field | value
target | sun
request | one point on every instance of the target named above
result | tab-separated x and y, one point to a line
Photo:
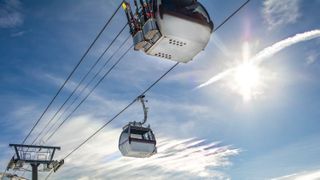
244	77
247	80
247	76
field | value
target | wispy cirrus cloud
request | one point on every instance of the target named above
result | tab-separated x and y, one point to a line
18	34
176	158
277	13
312	57
310	175
10	14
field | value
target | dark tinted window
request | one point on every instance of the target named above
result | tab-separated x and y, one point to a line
140	134
188	8
176	4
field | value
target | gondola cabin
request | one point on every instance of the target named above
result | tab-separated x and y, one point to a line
137	141
172	29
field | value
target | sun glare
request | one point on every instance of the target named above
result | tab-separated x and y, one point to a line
247	80
247	76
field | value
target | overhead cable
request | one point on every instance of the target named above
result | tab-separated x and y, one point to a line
80	83
95	86
72	72
132	102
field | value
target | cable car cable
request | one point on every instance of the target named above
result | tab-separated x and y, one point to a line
69	76
151	86
72	72
130	104
79	84
105	64
82	91
95	86
231	15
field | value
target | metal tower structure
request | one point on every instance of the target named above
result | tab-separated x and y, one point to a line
34	156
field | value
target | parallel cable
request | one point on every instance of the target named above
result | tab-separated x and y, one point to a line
130	104
69	76
79	95
152	85
72	72
80	83
95	86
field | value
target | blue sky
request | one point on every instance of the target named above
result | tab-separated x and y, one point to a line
272	134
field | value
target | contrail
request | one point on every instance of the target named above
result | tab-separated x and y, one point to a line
216	78
275	48
267	53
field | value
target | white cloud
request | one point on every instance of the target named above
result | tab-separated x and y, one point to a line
178	158
312	57
267	53
217	77
279	46
18	34
100	158
10	14
280	12
289	160
310	175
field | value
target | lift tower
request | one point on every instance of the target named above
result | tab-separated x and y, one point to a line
34	156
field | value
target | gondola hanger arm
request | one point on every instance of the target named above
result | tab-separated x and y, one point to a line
145	109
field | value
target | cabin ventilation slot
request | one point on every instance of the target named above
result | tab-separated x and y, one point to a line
163	55
176	42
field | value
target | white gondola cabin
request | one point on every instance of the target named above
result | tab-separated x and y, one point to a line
172	29
137	141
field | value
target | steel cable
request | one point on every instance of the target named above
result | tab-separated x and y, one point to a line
152	85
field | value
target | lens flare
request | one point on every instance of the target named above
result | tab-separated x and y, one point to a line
247	79
246	76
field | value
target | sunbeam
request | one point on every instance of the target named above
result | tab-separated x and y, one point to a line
246	76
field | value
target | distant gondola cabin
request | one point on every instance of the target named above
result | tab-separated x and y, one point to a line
137	141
